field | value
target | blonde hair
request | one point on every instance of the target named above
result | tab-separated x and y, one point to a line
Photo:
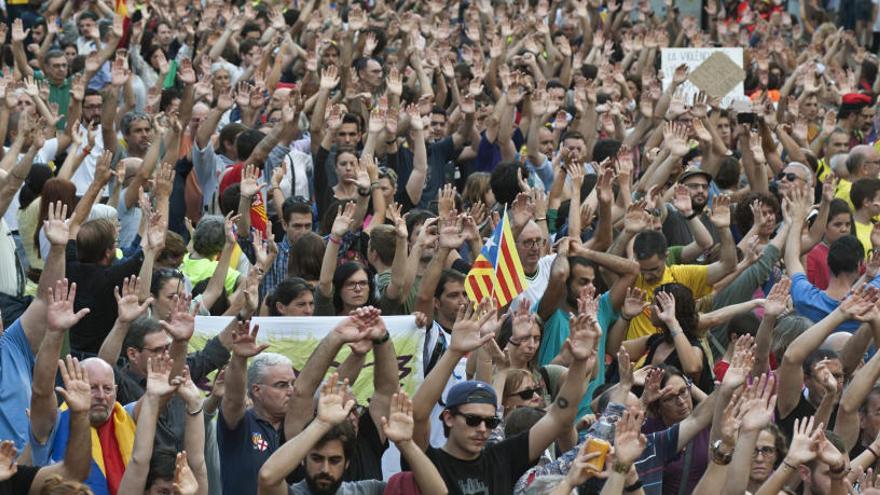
56	485
475	188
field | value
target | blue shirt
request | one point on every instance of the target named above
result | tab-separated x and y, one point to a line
16	372
243	450
815	304
556	330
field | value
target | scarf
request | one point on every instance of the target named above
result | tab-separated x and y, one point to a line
99	480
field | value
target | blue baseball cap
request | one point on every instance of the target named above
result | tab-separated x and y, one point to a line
471	392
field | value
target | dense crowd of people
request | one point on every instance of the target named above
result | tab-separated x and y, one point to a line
685	296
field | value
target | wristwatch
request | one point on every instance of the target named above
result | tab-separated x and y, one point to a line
718	456
383	339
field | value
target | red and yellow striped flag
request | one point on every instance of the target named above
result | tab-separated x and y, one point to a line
497	271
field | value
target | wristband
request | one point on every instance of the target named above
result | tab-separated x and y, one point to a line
363	191
381	340
635	486
196	412
541	219
335	240
624	318
692	215
869	449
789	466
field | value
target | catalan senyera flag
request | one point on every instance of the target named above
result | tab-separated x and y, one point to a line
497	271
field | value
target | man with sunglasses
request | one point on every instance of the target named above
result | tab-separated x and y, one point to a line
675	226
470	411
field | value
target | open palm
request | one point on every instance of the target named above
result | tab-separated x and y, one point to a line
332	407
77	391
8	454
60	316
399	426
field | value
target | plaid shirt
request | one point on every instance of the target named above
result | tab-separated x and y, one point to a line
277	272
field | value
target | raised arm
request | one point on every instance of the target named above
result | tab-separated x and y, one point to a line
398	428
557	287
77	394
582	342
341	225
244	346
60	318
300	405
416	182
720	217
466	338
129	310
332	410
194	439
776	303
160	385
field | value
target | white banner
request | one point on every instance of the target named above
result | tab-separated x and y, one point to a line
297	338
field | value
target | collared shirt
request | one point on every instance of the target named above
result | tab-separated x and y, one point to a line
171	427
16	371
244	449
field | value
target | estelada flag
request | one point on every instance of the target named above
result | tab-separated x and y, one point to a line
497	270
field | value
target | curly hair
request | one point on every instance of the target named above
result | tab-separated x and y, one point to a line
685	308
742	215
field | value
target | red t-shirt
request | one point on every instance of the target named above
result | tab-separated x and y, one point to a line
817	266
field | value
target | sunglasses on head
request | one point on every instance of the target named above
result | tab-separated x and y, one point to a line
474	420
527	394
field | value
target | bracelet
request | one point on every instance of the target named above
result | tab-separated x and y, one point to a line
624	318
381	340
541	219
869	449
621	468
789	466
335	240
692	215
196	412
635	486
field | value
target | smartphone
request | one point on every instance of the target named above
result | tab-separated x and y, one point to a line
746	118
600	446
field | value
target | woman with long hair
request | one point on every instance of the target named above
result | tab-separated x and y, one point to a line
53	190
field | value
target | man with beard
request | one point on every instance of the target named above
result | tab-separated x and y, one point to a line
326	445
675	226
575	272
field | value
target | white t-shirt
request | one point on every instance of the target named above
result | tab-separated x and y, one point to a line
85	174
537	283
8	264
45	155
300	164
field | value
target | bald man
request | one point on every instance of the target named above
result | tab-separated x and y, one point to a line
110	423
862	162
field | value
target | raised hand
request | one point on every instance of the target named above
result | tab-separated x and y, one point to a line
664	307
56	227
720	214
250	181
398	427
159	383
741	363
860	304
779	298
828	453
342	224
636	219
8	456
182	323
804	441
244	343
185	482
77	391
353	328
760	403
60	316
332	407
634	304
466	335
127	301
629	442
682	200
584	335
523	321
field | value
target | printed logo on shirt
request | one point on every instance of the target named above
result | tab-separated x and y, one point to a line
472	486
259	444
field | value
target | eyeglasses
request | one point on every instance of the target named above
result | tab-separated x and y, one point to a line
474	420
764	451
533	243
528	393
696	185
682	395
280	385
789	176
357	284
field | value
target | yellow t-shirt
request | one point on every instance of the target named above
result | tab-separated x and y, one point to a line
843	189
201	269
694	277
863	232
